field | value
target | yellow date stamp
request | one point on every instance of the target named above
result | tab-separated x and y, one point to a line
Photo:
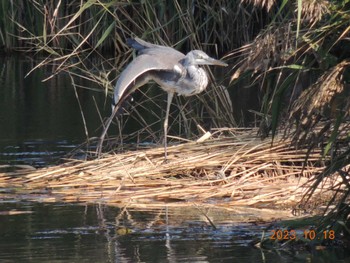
286	234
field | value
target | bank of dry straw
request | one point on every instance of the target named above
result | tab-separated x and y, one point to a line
235	168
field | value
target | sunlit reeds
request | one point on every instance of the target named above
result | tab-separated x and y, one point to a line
235	167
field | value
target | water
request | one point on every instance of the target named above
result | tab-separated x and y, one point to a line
92	233
39	123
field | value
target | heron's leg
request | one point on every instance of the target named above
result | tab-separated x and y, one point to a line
170	98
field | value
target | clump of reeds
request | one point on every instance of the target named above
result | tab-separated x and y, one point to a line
238	169
324	101
302	72
312	11
268	4
272	47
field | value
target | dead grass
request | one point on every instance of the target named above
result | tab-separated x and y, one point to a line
236	169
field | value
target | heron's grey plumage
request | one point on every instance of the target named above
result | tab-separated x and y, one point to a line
152	61
173	71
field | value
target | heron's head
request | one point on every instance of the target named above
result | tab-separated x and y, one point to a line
198	57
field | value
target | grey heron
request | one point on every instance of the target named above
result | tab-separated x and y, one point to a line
173	71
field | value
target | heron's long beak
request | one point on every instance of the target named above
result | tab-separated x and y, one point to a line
216	62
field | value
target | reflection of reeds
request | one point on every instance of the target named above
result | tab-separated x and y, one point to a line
238	167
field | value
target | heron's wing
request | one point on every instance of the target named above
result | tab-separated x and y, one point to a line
144	47
139	44
138	73
140	70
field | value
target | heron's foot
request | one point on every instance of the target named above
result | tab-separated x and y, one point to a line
165	161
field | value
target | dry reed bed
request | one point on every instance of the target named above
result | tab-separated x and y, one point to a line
239	169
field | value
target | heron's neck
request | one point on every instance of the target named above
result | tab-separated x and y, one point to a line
197	77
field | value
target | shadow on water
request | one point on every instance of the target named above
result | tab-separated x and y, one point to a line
33	232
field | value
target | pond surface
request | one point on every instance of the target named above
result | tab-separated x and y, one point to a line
34	232
39	123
